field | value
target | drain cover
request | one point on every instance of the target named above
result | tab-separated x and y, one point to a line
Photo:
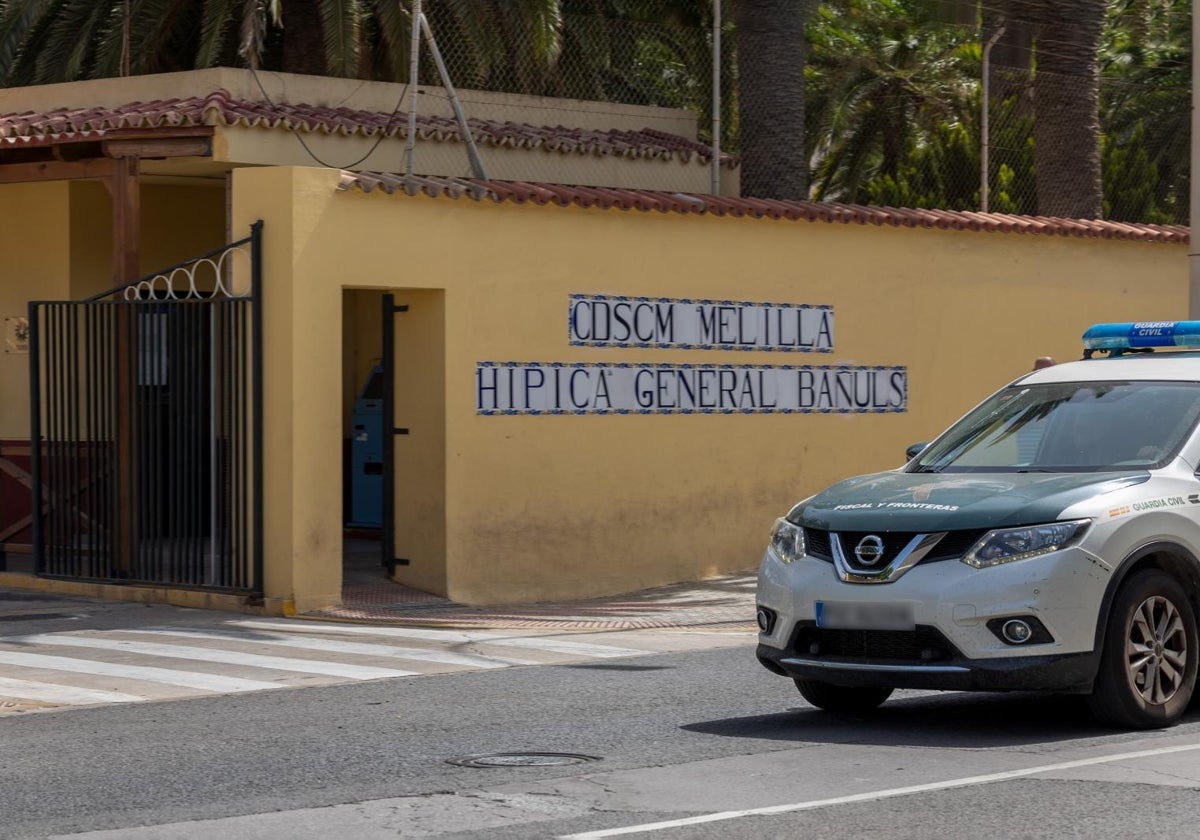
521	759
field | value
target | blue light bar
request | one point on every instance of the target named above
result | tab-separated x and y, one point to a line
1142	334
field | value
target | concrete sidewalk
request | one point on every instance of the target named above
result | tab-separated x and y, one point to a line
725	602
370	597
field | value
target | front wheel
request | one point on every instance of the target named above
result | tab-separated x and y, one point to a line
841	698
1148	662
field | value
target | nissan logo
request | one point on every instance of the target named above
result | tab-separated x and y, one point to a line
869	550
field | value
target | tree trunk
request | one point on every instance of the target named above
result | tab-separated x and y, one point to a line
772	51
303	38
1066	101
1066	139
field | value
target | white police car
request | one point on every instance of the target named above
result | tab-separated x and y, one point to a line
1049	540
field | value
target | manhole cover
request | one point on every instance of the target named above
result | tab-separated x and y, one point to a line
521	759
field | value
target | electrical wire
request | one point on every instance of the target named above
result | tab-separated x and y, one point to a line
382	134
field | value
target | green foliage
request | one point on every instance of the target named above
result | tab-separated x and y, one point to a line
892	108
1147	94
936	173
1130	181
886	76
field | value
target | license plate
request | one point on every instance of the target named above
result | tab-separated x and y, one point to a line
842	615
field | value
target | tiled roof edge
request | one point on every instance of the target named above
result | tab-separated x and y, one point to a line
666	202
220	108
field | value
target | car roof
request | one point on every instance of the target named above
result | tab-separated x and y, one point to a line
1172	366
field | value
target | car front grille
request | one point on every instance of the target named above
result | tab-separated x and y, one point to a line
817	543
954	545
924	644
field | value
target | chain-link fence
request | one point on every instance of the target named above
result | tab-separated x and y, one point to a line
894	106
1078	108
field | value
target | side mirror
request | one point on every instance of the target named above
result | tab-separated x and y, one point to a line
915	450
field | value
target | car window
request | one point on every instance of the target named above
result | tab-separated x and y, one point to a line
1065	427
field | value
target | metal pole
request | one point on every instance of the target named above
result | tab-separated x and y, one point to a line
716	99
983	121
213	480
414	65
463	128
388	522
256	397
35	438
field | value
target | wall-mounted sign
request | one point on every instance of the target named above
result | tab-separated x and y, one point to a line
16	335
561	388
606	321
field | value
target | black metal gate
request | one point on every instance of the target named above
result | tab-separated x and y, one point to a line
147	428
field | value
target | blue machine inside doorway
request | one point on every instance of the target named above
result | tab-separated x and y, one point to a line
366	454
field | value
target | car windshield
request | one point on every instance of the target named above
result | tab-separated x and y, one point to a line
1069	427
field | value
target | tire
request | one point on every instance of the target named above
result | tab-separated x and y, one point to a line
1148	662
841	698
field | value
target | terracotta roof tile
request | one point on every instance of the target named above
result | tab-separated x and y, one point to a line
219	108
647	200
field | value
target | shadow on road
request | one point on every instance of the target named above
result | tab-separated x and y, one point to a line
945	720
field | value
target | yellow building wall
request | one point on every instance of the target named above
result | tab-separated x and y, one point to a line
177	221
540	507
34	265
443	158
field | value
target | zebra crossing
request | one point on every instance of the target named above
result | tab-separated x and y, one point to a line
129	665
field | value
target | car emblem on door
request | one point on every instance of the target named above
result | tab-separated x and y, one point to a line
869	550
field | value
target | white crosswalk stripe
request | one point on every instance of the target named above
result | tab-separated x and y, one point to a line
63	695
187	679
128	665
335	646
229	657
449	636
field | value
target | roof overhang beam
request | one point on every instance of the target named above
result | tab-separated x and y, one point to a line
72	158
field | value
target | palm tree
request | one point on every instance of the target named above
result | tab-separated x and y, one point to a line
887	80
1066	98
40	40
772	52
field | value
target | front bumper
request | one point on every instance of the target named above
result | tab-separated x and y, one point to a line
1073	672
952	604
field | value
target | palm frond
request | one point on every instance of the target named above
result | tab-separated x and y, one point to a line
252	32
217	20
19	19
64	52
342	20
394	29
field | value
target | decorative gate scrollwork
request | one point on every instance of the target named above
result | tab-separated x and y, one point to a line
146	412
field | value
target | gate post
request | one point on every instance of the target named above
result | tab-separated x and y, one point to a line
35	436
388	547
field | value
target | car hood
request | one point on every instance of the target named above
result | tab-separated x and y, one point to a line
924	502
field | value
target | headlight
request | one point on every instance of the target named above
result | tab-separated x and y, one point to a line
1011	544
787	541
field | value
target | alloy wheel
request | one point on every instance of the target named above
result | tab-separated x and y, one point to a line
1156	650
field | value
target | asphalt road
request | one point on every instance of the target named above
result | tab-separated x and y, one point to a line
706	734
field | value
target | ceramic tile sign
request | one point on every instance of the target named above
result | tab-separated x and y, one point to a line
16	335
564	388
612	321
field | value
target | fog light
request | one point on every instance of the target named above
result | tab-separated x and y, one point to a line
766	620
1016	632
1023	630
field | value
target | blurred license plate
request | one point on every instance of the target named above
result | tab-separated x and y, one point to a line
840	615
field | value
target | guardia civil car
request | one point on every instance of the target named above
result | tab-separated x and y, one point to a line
1048	540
